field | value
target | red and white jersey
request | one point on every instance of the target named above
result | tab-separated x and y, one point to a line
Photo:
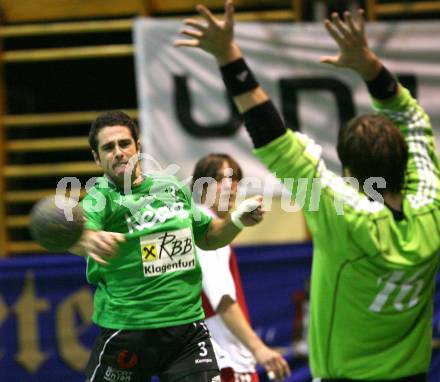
221	277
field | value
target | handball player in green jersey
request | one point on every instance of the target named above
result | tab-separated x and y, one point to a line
139	243
375	255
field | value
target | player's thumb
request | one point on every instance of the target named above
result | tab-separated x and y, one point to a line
329	60
259	201
119	237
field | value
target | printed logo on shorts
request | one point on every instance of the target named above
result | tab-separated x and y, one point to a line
203	352
115	375
167	252
125	363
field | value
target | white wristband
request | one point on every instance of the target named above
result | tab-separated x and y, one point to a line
235	219
246	206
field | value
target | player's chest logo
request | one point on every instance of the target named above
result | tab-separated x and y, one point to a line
150	216
167	252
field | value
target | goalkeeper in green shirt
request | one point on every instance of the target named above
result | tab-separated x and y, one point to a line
375	254
140	245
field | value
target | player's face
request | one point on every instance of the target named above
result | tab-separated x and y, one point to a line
116	147
226	193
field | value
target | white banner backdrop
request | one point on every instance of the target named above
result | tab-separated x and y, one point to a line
184	109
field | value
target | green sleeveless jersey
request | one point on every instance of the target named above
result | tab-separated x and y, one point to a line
155	279
373	276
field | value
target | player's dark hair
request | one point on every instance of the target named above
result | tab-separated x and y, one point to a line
371	145
111	118
210	166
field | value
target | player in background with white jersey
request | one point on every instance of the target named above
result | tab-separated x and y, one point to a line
236	344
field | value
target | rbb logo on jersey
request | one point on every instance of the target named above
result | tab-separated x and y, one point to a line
166	252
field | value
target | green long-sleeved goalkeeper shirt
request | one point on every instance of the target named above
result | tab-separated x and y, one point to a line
373	277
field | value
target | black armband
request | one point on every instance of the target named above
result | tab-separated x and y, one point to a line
238	77
263	123
384	86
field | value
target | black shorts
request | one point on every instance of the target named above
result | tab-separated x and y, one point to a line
171	353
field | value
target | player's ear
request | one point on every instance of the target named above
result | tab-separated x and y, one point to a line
138	146
96	157
346	172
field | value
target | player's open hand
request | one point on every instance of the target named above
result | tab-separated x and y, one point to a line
101	246
354	52
211	34
276	366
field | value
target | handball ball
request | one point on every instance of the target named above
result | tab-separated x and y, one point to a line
56	223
